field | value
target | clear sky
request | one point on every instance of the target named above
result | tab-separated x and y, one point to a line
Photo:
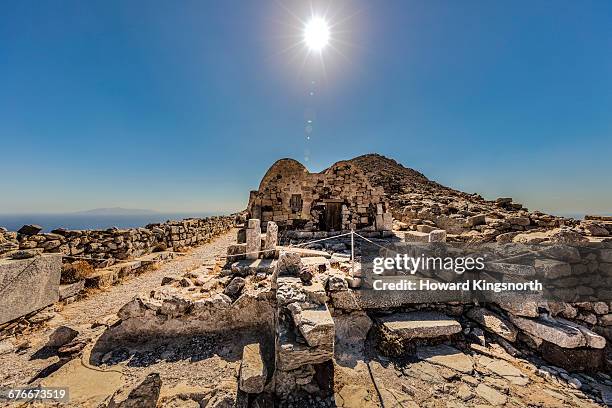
182	106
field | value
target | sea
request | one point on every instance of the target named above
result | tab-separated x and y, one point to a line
49	222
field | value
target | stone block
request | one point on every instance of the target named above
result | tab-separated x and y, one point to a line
71	289
415	236
254	223
425	228
316	325
29	229
271	239
552	331
253	239
292	354
438	235
419	325
28	285
493	323
475	220
253	371
577	359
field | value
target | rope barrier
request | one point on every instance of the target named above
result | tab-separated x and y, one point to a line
324	239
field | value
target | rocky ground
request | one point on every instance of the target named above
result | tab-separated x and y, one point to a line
99	309
173	364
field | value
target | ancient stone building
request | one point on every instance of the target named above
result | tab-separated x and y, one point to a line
339	198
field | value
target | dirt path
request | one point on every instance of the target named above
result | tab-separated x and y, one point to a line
16	369
111	300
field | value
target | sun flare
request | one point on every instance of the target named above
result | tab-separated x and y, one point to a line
316	34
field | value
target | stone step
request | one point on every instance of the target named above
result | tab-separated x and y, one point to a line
419	325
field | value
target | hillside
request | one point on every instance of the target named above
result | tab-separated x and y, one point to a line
421	205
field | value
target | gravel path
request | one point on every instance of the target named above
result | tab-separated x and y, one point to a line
111	300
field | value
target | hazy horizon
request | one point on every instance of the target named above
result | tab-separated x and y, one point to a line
184	108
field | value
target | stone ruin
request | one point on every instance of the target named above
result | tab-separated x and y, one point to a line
38	269
314	326
340	198
299	320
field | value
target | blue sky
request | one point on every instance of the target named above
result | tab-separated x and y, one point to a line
182	106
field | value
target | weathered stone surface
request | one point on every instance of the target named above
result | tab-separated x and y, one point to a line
62	335
518	305
292	354
493	323
419	325
235	286
352	327
492	396
7	346
172	312
446	356
552	269
271	239
415	236
438	235
26	253
144	395
475	220
236	252
577	359
288	264
253	239
30	229
315	292
304	252
595	229
253	372
316	325
511	268
316	264
503	369
28	285
552	331
593	339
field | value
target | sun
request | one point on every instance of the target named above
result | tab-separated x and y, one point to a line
316	34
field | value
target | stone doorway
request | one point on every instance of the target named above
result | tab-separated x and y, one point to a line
333	216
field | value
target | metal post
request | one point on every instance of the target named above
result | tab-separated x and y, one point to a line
352	254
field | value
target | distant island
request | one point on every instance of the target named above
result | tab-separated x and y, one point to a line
116	211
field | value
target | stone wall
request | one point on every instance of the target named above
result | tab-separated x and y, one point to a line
110	245
296	199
